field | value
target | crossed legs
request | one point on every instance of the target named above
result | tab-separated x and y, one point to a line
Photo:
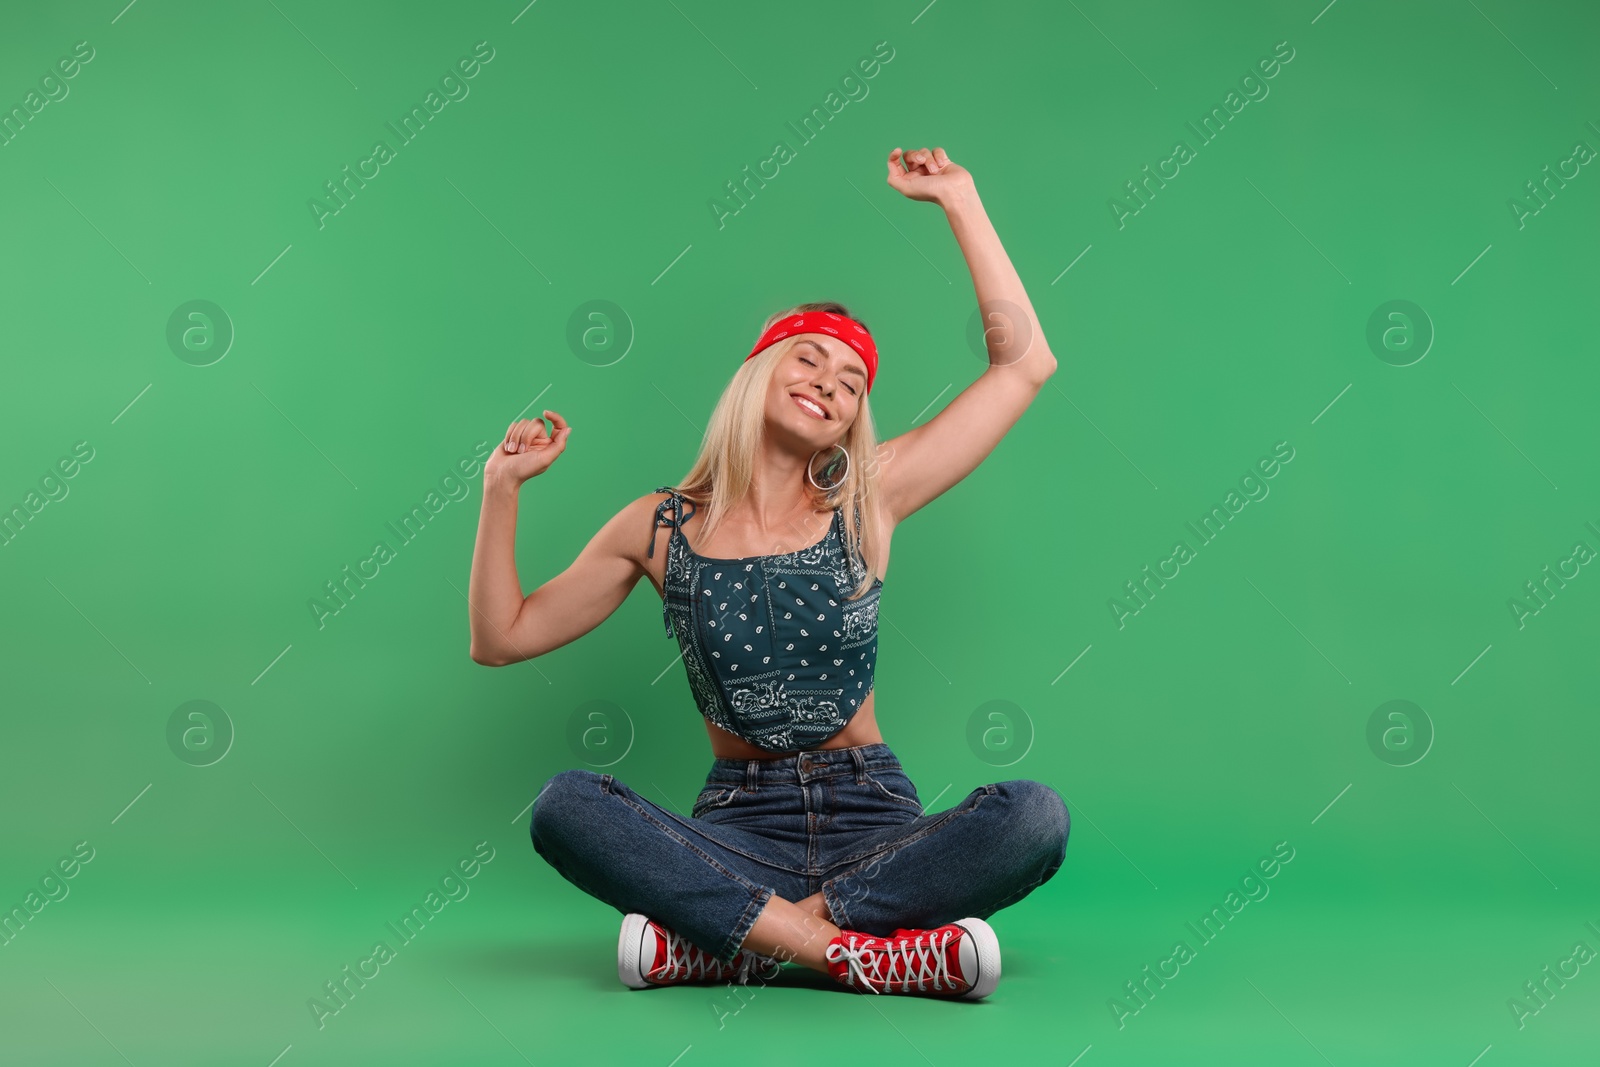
985	854
798	932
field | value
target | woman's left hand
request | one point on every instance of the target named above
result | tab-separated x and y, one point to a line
928	175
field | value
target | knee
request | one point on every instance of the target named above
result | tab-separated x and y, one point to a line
558	809
1041	817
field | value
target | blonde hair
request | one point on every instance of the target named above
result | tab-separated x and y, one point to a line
722	473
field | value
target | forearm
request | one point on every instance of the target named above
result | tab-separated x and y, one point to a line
1001	296
494	592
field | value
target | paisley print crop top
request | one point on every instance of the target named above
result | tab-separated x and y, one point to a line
774	651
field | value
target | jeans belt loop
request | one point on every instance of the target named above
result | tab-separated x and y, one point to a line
752	774
861	765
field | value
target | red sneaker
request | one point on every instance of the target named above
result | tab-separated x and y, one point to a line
650	954
959	959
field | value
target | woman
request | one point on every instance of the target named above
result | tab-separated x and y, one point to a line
808	843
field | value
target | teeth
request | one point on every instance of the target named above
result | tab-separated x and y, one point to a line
809	406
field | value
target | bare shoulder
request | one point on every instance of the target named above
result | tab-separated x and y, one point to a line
629	529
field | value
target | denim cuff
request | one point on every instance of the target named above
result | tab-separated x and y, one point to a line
836	909
741	929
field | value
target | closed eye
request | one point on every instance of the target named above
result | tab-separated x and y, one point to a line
847	385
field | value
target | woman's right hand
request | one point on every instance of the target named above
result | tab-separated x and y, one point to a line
527	449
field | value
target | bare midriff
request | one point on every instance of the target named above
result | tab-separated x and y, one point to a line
861	730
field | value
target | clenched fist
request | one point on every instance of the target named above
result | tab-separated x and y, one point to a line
929	176
527	450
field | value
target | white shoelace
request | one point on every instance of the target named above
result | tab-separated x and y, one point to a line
748	962
870	966
689	960
686	958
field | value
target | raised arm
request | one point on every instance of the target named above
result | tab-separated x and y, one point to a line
925	461
508	627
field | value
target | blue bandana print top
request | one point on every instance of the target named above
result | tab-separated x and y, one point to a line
775	652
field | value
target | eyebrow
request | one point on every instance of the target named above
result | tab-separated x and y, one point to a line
848	368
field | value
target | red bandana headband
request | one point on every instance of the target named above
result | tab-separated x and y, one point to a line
845	329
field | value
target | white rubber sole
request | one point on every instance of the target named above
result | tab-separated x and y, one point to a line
630	951
984	947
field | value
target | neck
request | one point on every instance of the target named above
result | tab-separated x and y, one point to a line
778	487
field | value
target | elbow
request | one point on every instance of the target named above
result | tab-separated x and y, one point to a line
485	658
498	657
1044	367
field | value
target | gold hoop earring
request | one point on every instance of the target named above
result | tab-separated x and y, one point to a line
836	482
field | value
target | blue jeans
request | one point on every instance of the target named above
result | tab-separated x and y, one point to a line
844	821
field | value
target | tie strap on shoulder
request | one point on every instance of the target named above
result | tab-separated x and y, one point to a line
675	503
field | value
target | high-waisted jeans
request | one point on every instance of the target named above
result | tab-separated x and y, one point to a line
845	822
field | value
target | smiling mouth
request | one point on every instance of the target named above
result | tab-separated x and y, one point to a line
811	407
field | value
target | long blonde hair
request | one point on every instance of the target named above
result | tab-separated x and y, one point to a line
722	473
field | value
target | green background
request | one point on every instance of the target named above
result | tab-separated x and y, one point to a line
370	754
